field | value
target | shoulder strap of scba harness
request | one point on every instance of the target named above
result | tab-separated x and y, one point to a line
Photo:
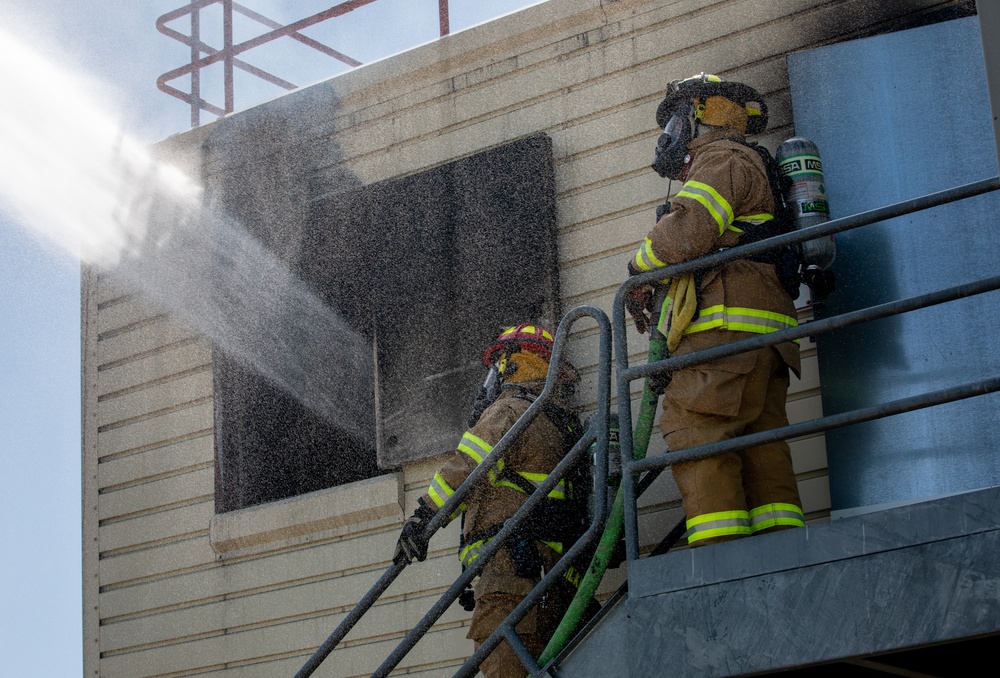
567	423
788	261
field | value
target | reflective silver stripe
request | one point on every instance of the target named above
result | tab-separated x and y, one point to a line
740	320
469	554
475	447
718	524
536	479
771	515
713	202
645	258
439	490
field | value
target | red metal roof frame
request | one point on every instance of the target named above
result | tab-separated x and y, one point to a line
228	54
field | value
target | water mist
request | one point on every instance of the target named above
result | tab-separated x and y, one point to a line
71	174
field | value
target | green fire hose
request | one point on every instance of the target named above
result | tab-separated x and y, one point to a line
613	528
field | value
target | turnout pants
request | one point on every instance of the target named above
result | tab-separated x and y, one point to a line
493	604
736	494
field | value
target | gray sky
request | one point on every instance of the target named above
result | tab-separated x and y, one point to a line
115	45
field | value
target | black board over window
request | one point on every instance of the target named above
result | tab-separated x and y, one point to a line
428	268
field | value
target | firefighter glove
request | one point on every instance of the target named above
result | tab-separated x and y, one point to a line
467	599
638	302
412	543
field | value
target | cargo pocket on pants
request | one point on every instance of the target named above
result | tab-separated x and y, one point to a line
715	389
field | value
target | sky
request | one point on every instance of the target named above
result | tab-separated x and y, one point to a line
116	52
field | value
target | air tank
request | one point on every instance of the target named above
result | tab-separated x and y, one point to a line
805	194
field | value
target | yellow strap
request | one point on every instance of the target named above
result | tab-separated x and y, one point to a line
685	295
679	308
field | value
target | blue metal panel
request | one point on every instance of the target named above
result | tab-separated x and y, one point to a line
897	116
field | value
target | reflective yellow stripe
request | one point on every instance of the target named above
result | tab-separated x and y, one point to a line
738	319
665	310
469	554
646	259
440	488
717	206
492	475
475	447
440	491
554	545
718	524
772	515
435	497
757	218
558	492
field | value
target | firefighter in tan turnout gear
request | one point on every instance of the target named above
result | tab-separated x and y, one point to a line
726	199
520	358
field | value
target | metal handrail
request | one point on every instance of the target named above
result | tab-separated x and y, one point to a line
627	374
596	433
229	51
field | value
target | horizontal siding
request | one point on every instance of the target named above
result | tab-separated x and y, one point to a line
588	74
155	562
163	395
331	597
185	488
169	524
357	553
277	641
141	341
179	424
167	458
152	369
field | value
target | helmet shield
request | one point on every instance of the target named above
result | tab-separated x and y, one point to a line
672	146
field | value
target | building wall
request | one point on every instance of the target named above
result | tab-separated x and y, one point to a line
171	588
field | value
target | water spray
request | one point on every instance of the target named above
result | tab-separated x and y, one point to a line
71	174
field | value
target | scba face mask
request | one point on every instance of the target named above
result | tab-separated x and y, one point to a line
672	147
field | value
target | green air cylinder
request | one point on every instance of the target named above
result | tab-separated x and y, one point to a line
805	195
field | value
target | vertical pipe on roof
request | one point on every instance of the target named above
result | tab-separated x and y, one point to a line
196	73
443	13
227	47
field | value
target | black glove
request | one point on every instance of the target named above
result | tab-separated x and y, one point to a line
660	382
639	302
412	543
467	599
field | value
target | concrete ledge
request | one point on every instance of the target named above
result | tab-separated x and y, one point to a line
863	535
337	511
907	577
